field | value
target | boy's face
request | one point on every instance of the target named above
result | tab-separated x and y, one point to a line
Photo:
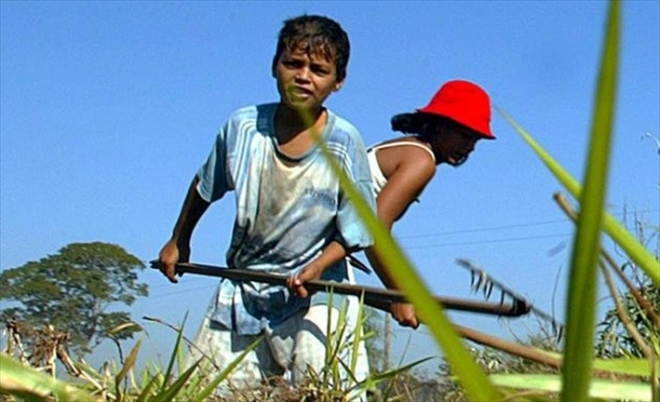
305	79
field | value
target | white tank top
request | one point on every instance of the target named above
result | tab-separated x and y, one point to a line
377	177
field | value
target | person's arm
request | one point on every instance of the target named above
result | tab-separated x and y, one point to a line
177	249
332	254
404	185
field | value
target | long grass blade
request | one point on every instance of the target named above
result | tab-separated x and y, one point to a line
128	365
582	288
633	248
177	345
357	335
171	391
472	378
31	385
607	389
628	366
146	390
210	388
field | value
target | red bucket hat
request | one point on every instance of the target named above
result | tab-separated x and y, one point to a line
465	103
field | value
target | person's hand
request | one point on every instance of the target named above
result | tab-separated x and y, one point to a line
169	256
404	314
296	282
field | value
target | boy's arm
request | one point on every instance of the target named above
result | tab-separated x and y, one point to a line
177	249
333	253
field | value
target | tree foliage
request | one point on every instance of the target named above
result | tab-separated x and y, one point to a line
73	291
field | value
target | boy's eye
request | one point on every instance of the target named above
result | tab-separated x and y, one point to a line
292	63
320	70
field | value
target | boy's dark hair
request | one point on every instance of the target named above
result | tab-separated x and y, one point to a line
320	35
423	124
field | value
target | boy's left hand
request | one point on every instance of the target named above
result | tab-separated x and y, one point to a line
296	283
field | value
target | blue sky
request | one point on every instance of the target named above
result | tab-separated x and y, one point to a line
108	109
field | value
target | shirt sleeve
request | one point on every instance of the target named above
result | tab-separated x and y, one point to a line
351	228
213	175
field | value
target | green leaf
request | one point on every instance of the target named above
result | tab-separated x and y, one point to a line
146	389
472	377
206	392
168	393
358	335
633	248
31	385
128	364
608	389
173	357
582	289
622	366
636	367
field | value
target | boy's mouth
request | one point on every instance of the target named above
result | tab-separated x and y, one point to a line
299	93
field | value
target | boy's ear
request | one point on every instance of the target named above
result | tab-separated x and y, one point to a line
338	86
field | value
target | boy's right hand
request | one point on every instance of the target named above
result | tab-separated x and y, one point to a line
404	314
169	256
296	283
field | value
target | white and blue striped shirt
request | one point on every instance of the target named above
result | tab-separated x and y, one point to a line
287	211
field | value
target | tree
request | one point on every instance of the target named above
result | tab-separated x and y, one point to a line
73	291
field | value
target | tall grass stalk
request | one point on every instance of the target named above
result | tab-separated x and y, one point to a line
598	388
581	303
582	286
603	117
32	385
470	375
626	240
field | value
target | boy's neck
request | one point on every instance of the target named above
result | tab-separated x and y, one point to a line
294	132
288	116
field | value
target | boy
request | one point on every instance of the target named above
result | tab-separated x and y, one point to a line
292	217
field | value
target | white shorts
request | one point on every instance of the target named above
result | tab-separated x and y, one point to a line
287	351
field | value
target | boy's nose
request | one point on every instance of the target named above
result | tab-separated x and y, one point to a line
303	74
